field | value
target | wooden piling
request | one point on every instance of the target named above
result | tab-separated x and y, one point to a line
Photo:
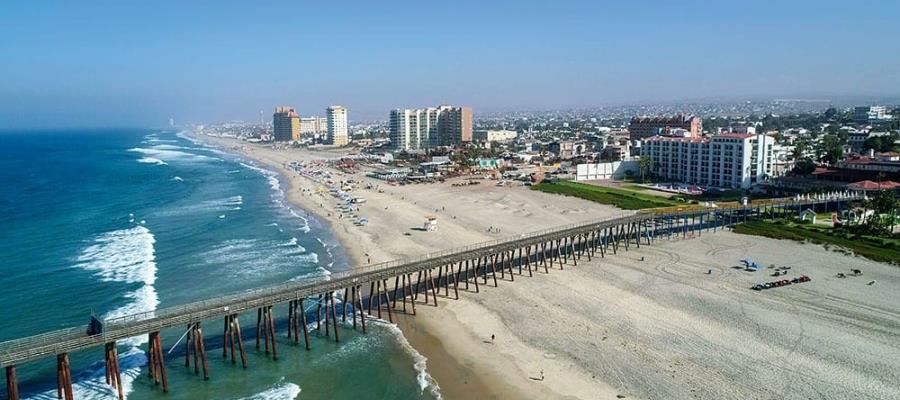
12	383
198	333
231	337
196	347
467	275
371	292
396	289
290	318
387	299
344	306
240	339
403	293
113	373
334	321
319	313
303	322
433	288
295	304
327	316
63	377
456	281
225	337
362	316
272	329
258	322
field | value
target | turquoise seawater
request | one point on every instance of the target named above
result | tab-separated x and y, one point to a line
117	222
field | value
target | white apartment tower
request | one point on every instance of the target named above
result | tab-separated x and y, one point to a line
414	129
337	126
426	128
729	160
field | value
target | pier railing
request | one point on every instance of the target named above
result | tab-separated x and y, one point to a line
68	339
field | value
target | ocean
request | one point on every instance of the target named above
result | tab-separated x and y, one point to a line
120	221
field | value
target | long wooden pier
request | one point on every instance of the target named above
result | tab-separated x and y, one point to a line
520	255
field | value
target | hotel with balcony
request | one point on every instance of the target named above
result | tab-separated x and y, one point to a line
730	160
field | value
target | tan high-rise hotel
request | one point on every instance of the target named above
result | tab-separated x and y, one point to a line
286	124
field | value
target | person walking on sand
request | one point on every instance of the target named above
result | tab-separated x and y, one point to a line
492	338
542	374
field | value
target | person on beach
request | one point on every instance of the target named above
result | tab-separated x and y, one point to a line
542	374
492	338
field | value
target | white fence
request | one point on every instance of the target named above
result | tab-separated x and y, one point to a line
608	170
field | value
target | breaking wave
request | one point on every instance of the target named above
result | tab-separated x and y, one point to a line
126	256
254	257
280	391
170	155
425	380
152	160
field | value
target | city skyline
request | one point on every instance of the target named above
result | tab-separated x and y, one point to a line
138	65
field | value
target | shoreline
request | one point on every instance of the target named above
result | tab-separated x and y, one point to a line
454	347
673	320
421	341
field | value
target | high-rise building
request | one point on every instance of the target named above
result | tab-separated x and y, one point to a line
337	126
286	124
645	127
410	128
425	128
313	125
455	125
729	160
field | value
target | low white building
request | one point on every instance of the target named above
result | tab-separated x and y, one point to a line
607	170
730	160
489	135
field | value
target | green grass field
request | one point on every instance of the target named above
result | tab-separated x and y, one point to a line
872	247
623	198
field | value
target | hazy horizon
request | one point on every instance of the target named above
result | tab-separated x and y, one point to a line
112	64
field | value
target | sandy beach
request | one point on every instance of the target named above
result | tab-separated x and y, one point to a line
619	327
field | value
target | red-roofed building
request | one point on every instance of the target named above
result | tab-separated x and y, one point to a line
874	186
645	127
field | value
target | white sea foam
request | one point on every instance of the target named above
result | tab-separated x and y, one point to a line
182	135
171	155
125	255
275	184
231	203
151	160
90	383
253	257
281	390
178	179
271	177
172	147
425	380
157	140
294	243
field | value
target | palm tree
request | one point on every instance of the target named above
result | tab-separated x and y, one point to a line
645	164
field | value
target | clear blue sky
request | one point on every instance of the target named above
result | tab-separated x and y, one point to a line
116	63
